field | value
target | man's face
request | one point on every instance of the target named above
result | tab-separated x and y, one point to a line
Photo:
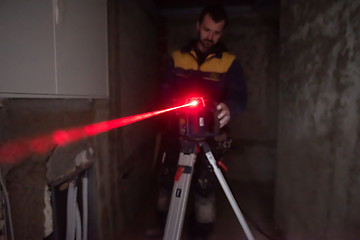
209	32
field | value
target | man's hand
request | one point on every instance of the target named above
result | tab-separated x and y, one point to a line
224	114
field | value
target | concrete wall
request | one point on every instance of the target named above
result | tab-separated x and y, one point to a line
134	85
252	36
318	181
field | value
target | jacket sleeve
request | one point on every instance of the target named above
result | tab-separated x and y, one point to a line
236	89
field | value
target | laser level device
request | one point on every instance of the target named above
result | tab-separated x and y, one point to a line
196	124
199	120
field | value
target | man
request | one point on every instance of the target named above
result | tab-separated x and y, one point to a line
201	68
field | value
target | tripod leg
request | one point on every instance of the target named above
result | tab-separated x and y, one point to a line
227	191
179	196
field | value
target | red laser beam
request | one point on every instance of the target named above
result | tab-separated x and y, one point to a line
14	151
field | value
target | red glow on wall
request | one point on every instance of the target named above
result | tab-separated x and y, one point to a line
14	151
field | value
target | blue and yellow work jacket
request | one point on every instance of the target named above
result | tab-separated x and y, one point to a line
219	77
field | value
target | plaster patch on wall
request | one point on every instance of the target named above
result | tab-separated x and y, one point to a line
350	39
350	105
325	92
324	82
326	24
316	98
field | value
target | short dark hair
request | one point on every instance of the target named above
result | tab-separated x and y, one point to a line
216	12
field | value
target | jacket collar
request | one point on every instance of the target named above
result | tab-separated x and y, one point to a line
217	50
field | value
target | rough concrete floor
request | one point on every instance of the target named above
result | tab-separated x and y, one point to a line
255	201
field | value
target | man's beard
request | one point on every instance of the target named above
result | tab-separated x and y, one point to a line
207	43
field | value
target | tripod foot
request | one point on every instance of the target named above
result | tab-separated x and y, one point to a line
156	229
154	232
201	231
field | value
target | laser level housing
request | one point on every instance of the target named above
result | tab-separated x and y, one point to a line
200	120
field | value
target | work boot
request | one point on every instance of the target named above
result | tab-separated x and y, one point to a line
201	231
154	232
157	230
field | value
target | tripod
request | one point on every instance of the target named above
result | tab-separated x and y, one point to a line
180	192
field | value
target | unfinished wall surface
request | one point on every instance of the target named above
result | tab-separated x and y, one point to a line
318	181
252	36
26	177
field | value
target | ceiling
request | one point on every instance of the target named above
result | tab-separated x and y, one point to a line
182	4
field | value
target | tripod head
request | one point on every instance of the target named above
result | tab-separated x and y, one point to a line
200	120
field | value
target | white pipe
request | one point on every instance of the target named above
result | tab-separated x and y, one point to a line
71	207
7	201
85	205
78	222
